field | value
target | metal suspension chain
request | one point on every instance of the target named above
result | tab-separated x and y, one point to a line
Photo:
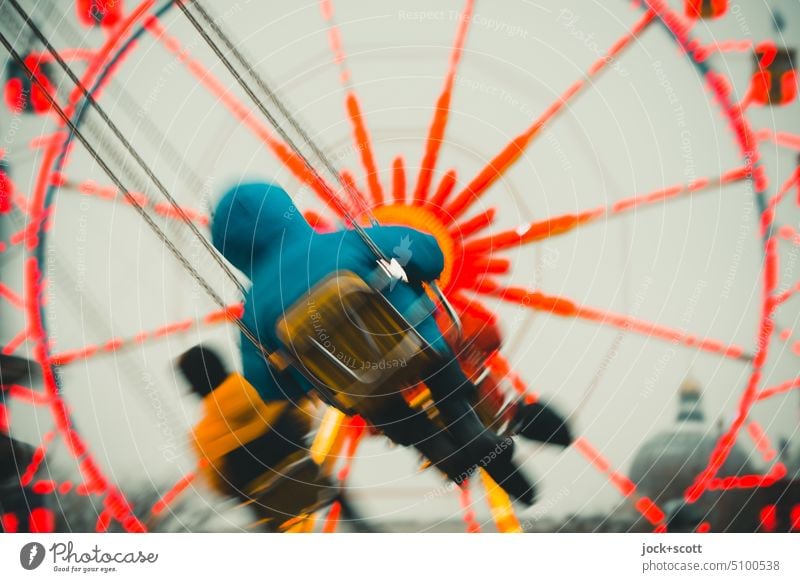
126	144
271	118
272	95
68	30
393	269
131	199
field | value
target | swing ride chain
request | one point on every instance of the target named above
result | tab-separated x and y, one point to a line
273	97
126	193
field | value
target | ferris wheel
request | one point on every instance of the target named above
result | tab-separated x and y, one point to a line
614	186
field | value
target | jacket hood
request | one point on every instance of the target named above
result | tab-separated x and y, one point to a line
250	220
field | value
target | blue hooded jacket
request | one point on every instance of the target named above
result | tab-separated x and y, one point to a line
260	232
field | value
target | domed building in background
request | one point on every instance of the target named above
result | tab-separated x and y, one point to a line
667	464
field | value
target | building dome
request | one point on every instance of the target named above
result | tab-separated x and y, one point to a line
666	464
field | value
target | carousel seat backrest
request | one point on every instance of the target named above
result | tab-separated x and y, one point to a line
352	344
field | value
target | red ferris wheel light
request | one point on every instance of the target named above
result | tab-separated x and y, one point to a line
105	13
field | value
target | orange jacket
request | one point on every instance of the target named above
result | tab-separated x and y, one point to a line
234	416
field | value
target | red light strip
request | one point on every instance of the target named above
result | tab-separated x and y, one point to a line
488	265
779	389
174	491
703	52
794	518
12	297
9	523
465	499
768	518
332	519
21	202
398	180
36	460
281	151
364	145
761	441
643	504
27	234
500	365
782	297
28	395
543	229
68	54
444	191
781	138
438	125
768	218
361	136
47	140
41	520
788	233
110	193
561	306
777	473
318	222
474	225
356	429
121	510
115	344
751	393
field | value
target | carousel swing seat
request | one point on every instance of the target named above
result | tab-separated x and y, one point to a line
352	344
361	354
291	492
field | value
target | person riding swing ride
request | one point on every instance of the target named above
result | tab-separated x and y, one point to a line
336	313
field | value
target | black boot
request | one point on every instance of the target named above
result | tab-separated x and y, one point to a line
461	421
486	449
539	422
441	450
451	392
411	428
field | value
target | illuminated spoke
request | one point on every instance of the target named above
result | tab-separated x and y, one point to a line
779	389
361	137
173	492
563	307
219	90
781	138
115	344
442	112
112	194
644	505
398	181
11	297
761	441
543	229
445	189
514	150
